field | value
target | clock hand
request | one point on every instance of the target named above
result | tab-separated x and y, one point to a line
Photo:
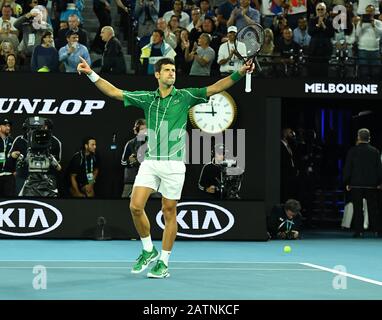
212	106
205	112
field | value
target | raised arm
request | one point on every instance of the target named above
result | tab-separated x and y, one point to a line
230	80
104	86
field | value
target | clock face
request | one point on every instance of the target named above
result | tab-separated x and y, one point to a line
216	115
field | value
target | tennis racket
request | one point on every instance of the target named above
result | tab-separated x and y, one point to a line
252	36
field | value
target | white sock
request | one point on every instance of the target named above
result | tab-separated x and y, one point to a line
165	255
147	244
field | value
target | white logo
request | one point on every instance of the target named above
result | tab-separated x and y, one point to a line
50	106
23	218
349	88
200	220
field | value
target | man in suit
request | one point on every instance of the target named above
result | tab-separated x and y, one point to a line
288	169
363	178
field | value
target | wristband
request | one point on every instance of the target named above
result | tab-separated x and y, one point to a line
93	76
236	76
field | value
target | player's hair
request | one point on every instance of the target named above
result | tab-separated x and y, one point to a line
86	141
158	65
364	135
293	205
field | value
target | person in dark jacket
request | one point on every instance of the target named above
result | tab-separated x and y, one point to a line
133	154
284	221
320	47
113	60
363	178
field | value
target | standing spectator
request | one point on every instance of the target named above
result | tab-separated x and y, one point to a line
32	25
301	35
45	56
369	31
113	60
320	48
7	179
155	50
133	155
196	20
147	15
295	10
84	169
202	56
169	36
362	177
243	15
73	25
227	58
102	10
184	18
205	9
70	54
225	11
182	66
363	4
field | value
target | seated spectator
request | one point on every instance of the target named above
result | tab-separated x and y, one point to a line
71	9
73	24
184	18
154	51
32	25
5	48
268	46
169	36
228	60
7	29
45	56
70	54
202	56
173	24
83	170
113	60
286	47
284	221
146	13
11	63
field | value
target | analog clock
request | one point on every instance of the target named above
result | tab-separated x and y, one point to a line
216	115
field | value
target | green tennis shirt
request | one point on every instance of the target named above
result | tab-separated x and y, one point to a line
166	119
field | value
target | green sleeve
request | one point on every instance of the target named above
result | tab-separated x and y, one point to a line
137	99
196	96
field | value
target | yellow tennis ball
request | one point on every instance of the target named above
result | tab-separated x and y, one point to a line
287	249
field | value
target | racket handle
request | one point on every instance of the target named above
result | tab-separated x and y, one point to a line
248	78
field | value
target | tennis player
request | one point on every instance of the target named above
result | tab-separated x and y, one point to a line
163	169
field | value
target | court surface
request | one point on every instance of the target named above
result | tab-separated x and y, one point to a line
319	267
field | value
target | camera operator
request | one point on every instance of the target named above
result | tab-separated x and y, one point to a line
284	221
133	155
214	179
37	132
7	179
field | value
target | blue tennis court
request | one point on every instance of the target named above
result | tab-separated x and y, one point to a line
330	266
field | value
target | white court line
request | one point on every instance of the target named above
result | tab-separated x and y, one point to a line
171	268
172	261
378	283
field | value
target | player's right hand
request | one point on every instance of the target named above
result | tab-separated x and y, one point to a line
83	67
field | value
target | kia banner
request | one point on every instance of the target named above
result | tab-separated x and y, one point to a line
79	219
